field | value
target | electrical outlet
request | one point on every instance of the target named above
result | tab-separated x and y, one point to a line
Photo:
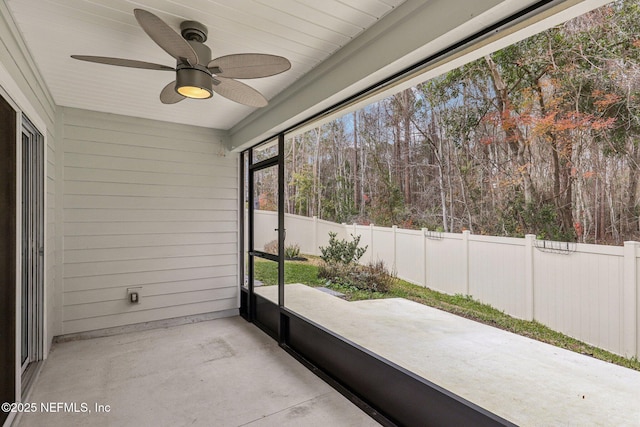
133	294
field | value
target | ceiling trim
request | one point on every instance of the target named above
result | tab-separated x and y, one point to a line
20	76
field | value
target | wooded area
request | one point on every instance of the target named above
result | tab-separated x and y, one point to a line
540	137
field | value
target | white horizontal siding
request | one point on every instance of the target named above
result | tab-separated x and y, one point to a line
125	215
100	228
138	316
147	240
132	202
133	164
148	190
141	177
150	205
108	308
143	278
114	254
155	289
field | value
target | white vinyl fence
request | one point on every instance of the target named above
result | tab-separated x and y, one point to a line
589	292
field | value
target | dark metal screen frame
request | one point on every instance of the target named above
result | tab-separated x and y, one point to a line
399	397
249	300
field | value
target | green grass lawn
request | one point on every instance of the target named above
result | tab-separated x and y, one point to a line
306	272
294	272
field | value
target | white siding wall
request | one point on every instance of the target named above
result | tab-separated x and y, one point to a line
146	204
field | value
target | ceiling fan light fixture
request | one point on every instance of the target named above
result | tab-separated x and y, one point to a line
194	92
194	83
195	70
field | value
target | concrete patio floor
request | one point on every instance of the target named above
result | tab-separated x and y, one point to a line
522	380
223	372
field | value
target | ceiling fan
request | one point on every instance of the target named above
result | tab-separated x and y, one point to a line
197	75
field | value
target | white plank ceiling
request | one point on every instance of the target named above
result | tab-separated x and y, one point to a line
304	31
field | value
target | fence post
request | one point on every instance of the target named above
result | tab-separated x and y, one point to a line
630	302
465	255
371	244
394	229
424	257
529	280
315	236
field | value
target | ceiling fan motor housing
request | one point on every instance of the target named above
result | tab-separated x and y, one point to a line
193	77
193	30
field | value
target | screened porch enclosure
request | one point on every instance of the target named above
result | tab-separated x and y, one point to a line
134	226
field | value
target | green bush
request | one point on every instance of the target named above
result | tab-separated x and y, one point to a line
340	266
341	251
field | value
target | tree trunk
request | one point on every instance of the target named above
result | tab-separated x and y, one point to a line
514	137
406	149
356	181
293	192
316	177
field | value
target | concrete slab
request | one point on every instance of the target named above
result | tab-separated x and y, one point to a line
525	381
223	372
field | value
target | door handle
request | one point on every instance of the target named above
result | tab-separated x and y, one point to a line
285	232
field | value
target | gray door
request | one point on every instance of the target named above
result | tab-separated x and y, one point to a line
32	219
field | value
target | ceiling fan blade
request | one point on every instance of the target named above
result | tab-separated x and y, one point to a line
248	65
165	36
123	62
238	92
169	94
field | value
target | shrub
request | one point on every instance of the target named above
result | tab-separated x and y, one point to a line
341	251
271	247
341	266
373	277
339	274
292	251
